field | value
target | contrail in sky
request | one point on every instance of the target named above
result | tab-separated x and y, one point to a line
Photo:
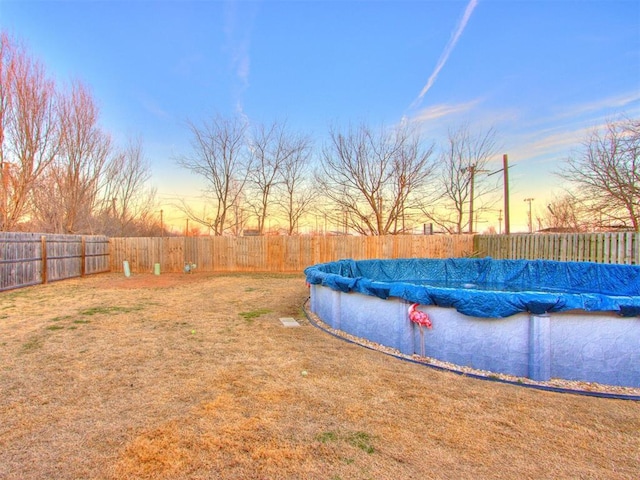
447	50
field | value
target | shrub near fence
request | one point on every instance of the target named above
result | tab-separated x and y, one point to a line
32	258
275	253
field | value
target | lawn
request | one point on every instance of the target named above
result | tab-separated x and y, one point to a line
194	377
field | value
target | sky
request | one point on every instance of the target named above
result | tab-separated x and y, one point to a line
542	73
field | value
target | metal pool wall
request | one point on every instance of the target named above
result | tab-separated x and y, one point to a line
597	347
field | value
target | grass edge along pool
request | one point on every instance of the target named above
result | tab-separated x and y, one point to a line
569	320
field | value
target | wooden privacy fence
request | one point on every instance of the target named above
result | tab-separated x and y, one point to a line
623	248
277	253
32	258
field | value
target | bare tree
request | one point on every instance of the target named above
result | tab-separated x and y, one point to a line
70	191
372	178
565	214
219	157
238	215
47	205
54	155
126	200
269	150
280	158
296	193
463	192
605	174
29	128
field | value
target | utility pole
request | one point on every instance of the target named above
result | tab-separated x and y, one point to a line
472	172
499	222
505	169
529	200
505	176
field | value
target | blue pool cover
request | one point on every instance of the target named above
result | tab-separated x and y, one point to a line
483	287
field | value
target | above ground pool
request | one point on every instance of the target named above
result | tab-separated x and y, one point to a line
537	319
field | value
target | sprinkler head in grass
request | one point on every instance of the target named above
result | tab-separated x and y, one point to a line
304	373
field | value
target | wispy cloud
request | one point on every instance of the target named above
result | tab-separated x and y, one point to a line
605	106
152	106
437	112
591	114
556	145
447	50
565	129
237	28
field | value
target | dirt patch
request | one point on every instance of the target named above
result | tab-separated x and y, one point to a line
147	281
193	376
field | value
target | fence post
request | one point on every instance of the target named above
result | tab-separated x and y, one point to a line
43	244
83	256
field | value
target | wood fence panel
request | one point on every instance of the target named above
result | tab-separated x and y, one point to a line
617	252
32	258
417	248
228	255
549	249
63	257
620	248
554	247
369	247
96	251
546	248
239	252
628	253
277	253
20	260
606	247
580	248
620	251
294	254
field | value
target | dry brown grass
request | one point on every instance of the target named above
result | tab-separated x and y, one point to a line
162	378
